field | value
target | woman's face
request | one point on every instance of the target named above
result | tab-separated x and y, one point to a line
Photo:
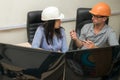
57	23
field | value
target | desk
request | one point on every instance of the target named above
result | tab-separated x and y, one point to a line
26	44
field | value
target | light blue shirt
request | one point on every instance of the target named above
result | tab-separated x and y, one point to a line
39	41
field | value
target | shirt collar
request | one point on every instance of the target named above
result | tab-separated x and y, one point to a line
104	29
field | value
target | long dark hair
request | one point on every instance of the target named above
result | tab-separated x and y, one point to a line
50	31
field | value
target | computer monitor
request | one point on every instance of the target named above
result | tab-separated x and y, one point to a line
32	61
58	66
90	63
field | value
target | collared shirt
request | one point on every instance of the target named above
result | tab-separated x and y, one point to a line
39	41
106	37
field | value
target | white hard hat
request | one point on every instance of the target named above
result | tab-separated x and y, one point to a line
51	13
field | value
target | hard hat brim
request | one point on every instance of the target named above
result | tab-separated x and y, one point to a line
61	16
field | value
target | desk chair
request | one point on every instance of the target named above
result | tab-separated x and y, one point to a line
33	21
82	17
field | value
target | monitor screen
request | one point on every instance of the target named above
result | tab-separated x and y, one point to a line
48	65
35	62
90	62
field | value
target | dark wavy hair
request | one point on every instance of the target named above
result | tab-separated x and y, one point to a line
50	31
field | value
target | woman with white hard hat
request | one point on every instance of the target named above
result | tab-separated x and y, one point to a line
51	36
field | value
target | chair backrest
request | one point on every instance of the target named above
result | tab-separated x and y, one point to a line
33	21
82	17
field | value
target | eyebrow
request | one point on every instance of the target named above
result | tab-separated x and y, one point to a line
98	16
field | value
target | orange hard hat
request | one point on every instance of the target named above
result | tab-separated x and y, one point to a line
101	9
